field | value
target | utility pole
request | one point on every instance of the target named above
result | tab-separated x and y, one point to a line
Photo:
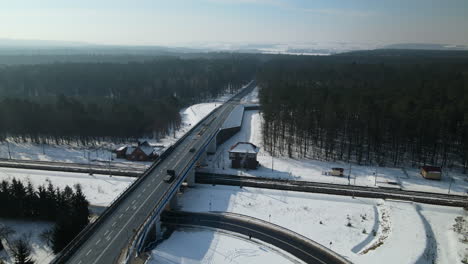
450	185
349	175
375	176
271	162
8	145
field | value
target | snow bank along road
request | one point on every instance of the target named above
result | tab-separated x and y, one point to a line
350	190
105	240
293	243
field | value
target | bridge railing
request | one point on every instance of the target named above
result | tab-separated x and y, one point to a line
140	236
74	245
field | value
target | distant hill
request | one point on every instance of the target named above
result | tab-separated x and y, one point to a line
425	46
405	54
32	43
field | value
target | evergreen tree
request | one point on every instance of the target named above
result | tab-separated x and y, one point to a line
22	251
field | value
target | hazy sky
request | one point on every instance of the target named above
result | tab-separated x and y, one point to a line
145	22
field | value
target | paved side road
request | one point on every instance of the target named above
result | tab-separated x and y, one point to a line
114	170
285	239
328	188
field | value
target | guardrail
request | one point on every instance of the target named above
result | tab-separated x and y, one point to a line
286	239
328	188
73	246
140	236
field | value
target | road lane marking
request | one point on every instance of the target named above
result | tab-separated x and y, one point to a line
124	226
144	190
113	224
139	208
89	251
127	209
109	236
139	195
98	241
107	231
120	216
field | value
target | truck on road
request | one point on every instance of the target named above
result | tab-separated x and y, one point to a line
170	176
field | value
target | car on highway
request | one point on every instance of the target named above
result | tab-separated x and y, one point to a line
192	150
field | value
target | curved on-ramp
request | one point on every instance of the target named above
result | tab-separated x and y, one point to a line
285	239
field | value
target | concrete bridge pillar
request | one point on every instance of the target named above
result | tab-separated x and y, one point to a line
191	178
154	232
173	203
211	149
202	159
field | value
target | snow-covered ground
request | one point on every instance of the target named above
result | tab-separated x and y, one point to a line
32	231
210	246
100	190
313	170
363	230
102	152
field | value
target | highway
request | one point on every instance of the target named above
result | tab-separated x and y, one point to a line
117	228
303	248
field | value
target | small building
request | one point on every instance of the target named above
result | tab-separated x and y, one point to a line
143	152
431	172
244	155
337	171
120	152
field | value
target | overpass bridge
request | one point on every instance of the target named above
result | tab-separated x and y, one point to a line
121	233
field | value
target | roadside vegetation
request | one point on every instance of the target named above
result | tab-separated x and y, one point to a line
89	102
67	208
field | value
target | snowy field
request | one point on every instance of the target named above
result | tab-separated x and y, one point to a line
210	246
362	230
100	190
313	170
32	231
102	152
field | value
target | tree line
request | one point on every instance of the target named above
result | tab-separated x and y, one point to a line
92	101
67	207
369	108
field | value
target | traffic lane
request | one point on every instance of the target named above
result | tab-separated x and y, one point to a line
108	233
108	227
118	219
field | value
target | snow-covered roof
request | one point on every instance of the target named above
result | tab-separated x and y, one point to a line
235	117
121	148
244	147
147	150
129	150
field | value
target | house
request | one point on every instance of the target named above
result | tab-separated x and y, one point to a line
143	152
244	155
121	152
337	171
431	172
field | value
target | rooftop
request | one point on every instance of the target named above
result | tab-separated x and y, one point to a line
244	147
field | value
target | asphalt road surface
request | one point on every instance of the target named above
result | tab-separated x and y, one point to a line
116	231
287	240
